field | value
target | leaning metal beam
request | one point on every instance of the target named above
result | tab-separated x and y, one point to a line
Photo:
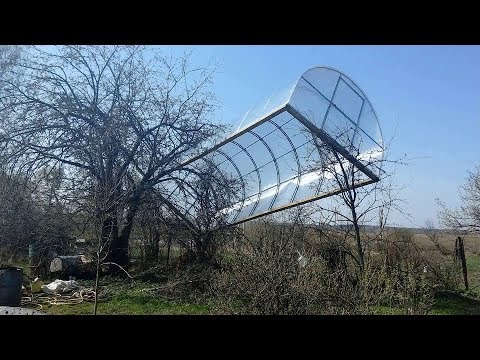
331	142
305	201
179	214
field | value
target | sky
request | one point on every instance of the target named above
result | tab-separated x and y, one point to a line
427	99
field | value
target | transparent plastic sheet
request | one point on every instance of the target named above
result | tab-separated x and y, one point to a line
277	160
276	101
348	101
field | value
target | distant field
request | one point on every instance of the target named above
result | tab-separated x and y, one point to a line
472	242
447	241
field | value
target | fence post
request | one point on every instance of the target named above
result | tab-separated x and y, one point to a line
460	254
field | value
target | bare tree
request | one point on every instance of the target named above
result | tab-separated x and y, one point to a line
8	55
345	215
151	229
467	217
215	192
17	216
31	215
203	192
118	119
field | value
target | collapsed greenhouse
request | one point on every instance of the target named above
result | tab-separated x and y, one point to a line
277	153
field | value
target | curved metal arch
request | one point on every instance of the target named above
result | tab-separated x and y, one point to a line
294	149
349	83
210	162
239	175
274	159
253	143
185	190
258	176
321	180
175	189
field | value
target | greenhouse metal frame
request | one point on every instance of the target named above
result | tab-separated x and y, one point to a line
269	151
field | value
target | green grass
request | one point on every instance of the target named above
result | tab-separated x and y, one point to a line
444	304
455	304
129	299
473	263
135	302
386	310
473	269
130	306
131	303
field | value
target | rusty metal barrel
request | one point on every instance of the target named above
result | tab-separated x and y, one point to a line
10	286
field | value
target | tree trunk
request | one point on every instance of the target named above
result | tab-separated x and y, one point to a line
152	248
169	245
77	265
112	240
360	253
119	246
203	248
118	253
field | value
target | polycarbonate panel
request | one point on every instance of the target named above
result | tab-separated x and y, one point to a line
247	208
286	192
369	124
348	100
323	79
269	175
183	200
329	184
307	185
266	199
339	127
288	167
225	165
280	162
298	134
309	102
278	100
353	86
248	169
255	148
273	135
370	153
304	152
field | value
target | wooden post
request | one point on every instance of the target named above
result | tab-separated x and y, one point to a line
169	244
460	254
30	260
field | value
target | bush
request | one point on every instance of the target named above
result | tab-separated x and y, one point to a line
265	276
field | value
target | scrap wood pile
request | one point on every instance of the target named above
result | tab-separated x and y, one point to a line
59	292
173	290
